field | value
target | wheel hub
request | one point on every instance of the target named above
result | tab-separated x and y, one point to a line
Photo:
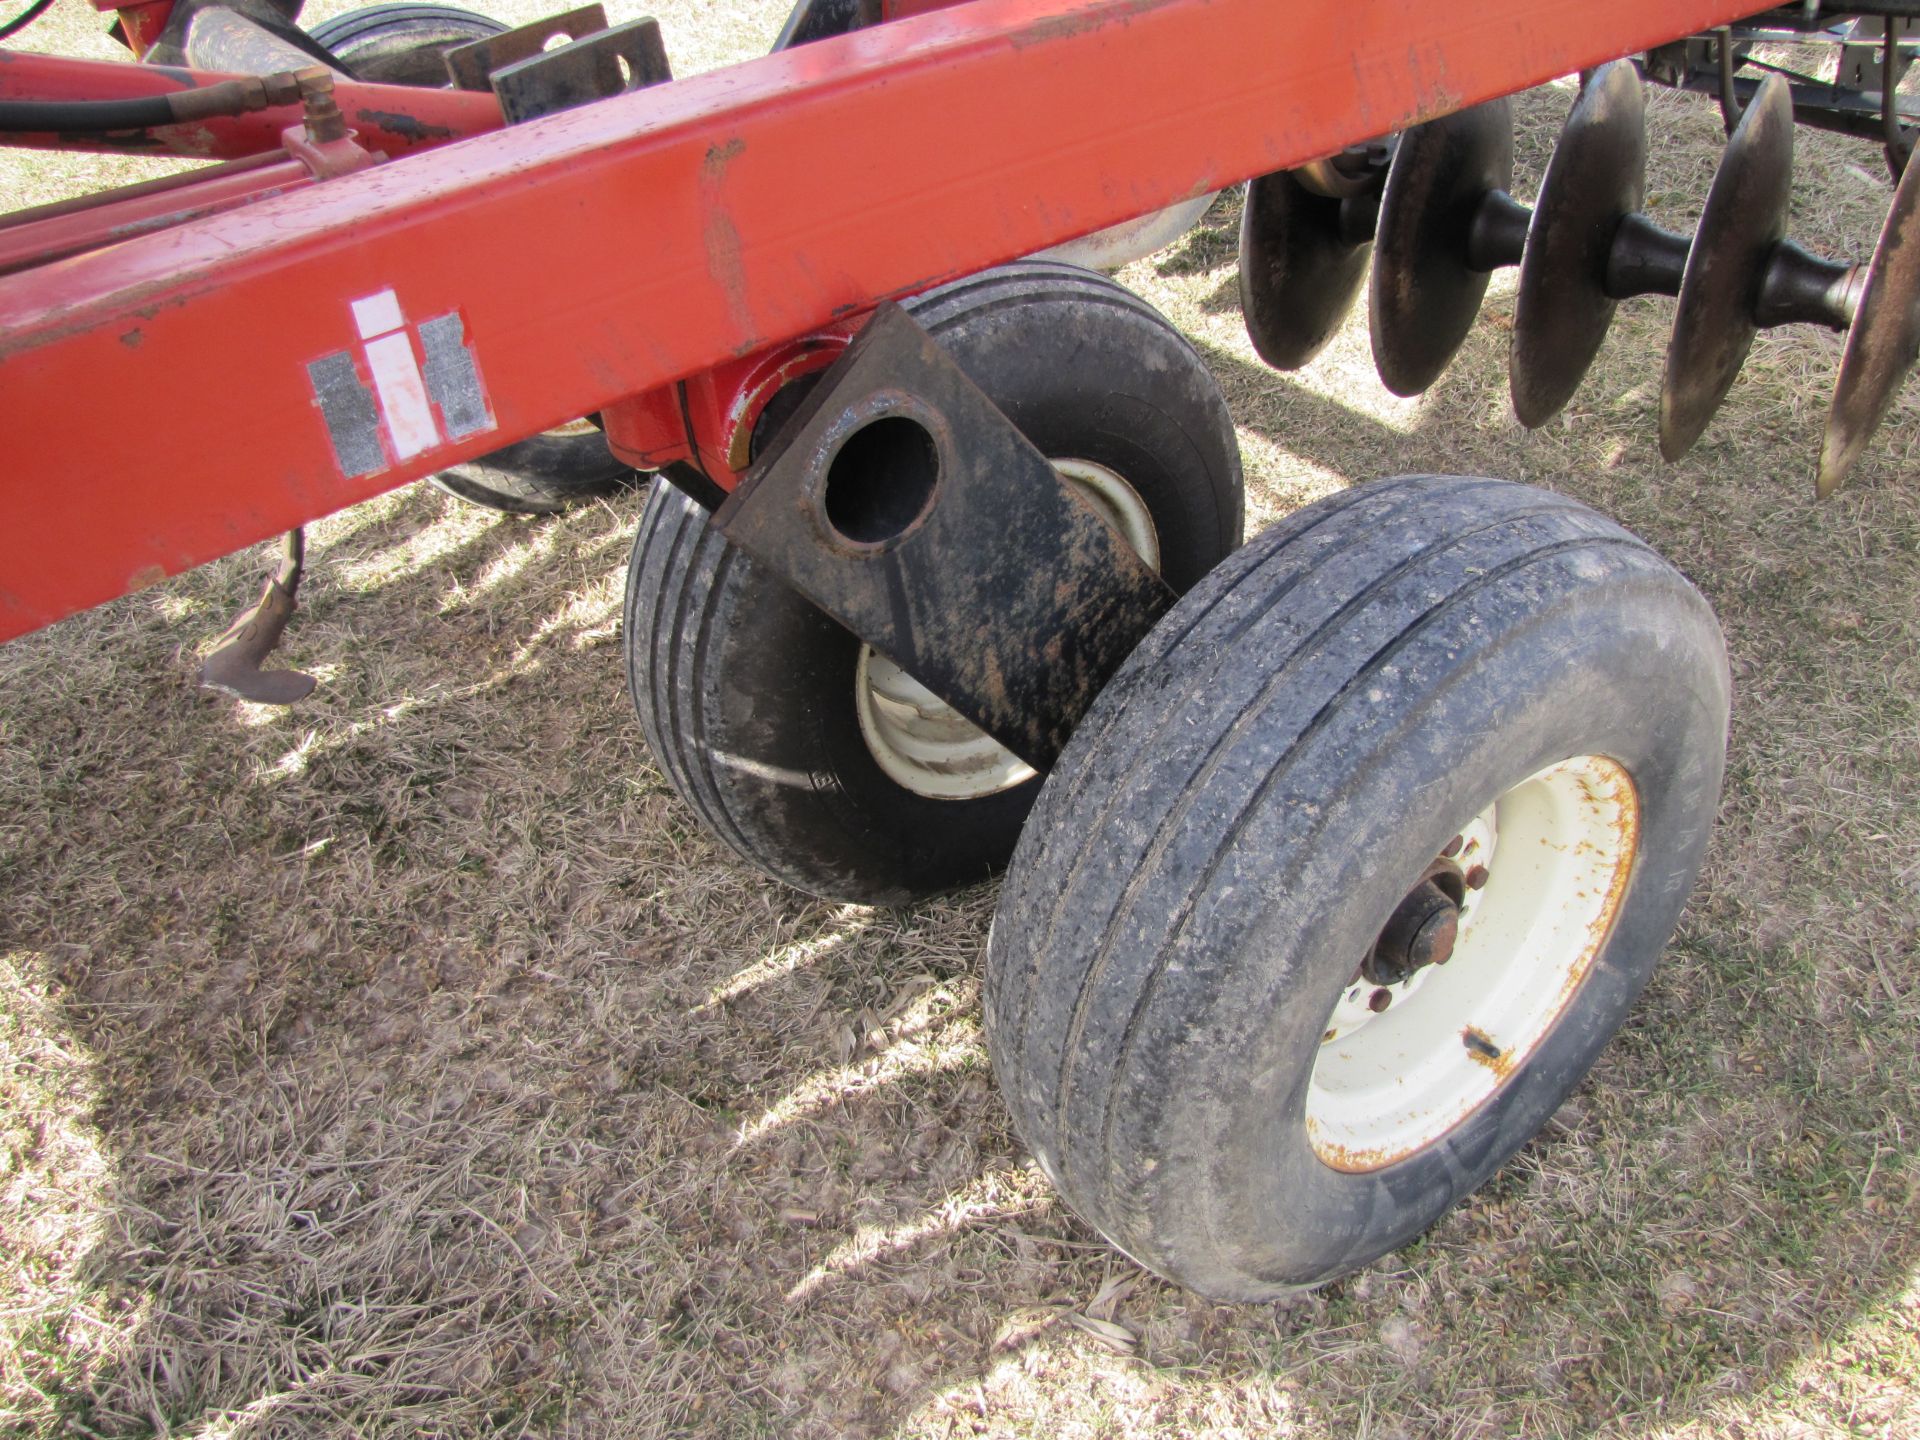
1421	931
1474	965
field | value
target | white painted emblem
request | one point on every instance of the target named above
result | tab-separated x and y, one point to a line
410	408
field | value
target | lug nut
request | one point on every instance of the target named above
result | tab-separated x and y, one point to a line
1433	942
1477	878
1452	847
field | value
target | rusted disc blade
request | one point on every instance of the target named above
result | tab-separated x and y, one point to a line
1424	293
1883	342
1745	216
1597	175
1298	277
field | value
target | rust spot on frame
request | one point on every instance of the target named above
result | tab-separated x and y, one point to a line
722	236
1066	27
407	127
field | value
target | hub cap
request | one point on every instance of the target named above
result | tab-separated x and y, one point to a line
1542	872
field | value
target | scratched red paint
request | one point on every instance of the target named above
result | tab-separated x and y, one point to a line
872	165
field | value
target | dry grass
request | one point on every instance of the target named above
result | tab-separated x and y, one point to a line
409	1062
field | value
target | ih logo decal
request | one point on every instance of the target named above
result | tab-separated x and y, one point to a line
417	401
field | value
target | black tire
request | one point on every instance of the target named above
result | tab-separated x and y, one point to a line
401	44
541	475
1267	776
746	691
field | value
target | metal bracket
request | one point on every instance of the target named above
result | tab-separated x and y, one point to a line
470	65
626	57
902	502
1861	54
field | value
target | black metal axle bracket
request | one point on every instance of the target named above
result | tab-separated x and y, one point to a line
902	502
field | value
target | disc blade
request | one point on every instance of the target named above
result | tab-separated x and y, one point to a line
1882	343
1298	277
1745	216
1597	176
1424	294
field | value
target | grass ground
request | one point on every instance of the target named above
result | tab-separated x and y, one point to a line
409	1062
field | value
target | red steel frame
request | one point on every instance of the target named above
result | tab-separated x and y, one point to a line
596	257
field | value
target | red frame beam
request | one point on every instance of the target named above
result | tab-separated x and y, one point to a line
601	252
28	239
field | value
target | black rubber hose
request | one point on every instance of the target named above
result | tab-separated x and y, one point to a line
171	107
70	116
26	17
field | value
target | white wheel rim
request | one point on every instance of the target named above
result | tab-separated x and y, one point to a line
926	746
1558	851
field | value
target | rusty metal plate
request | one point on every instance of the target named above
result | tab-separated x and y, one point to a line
626	57
902	502
236	660
469	66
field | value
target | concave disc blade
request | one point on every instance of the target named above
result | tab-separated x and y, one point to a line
1745	216
1424	294
1298	277
1597	176
1883	341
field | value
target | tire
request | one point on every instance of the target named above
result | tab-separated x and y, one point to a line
1173	973
747	693
543	474
401	44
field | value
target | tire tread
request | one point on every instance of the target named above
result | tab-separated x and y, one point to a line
1190	745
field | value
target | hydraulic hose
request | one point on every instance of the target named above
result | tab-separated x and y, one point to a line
25	18
72	115
202	102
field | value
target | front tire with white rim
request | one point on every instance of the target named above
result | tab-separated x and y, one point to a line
819	760
1350	873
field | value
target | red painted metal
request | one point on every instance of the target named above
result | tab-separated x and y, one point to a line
140	24
650	430
181	180
723	404
609	250
709	419
34	238
901	9
392	119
